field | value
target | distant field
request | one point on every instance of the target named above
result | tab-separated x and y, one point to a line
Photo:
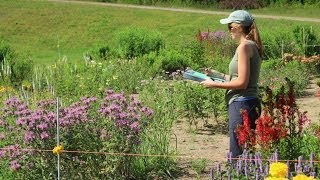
311	11
38	27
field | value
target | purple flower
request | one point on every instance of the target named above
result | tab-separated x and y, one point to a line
14	165
121	123
46	103
29	136
220	35
44	135
2	153
135	126
136	103
109	91
21	121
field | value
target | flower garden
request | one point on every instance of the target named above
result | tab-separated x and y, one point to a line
111	114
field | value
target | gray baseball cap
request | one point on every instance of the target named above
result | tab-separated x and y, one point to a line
239	16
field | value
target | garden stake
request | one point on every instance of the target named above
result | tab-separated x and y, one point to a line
58	140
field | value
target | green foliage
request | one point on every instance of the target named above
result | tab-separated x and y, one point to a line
306	39
296	71
310	141
135	42
14	68
99	52
172	60
318	82
195	51
163	98
277	44
199	165
21	67
6	52
201	104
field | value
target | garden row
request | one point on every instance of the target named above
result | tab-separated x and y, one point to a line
125	99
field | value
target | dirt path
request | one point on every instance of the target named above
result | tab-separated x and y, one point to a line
310	103
185	10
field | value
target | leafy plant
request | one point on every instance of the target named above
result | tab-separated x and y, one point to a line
298	73
199	165
135	42
172	60
305	36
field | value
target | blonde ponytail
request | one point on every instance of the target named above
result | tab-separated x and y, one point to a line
253	35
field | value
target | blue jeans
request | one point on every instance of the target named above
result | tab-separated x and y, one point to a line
253	107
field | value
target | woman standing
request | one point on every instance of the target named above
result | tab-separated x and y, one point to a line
244	70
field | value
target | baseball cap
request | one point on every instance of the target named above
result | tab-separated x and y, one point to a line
239	16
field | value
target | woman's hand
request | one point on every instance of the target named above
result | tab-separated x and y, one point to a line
216	74
208	83
211	72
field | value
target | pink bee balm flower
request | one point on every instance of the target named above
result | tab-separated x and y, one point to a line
44	135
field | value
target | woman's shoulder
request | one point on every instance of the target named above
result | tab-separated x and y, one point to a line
249	42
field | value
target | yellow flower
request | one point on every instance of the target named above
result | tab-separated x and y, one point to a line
2	89
275	178
114	77
278	170
58	149
5	89
303	177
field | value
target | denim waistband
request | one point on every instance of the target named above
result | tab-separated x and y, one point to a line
244	99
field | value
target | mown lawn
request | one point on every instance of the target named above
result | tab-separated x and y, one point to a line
46	30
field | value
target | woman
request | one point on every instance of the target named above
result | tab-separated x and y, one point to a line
244	70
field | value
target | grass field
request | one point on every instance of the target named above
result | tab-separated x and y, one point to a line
46	30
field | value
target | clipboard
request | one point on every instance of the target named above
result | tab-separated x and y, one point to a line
197	76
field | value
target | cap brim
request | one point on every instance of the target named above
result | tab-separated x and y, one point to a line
225	21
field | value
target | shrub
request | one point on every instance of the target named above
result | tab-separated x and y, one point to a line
135	42
14	68
99	52
6	54
298	72
195	51
172	60
20	67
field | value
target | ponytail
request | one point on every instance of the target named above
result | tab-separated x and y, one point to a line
253	35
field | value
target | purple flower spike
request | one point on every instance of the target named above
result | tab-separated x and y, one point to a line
257	174
288	164
312	156
300	161
211	173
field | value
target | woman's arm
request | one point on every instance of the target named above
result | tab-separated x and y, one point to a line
244	54
216	74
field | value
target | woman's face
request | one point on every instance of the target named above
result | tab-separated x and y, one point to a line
235	31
